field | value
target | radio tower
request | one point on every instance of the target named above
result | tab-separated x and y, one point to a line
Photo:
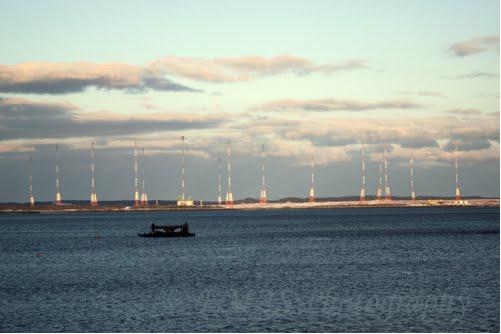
311	197
32	198
144	196
362	190
229	194
262	197
413	194
458	191
93	195
58	181
219	197
182	171
379	193
136	191
387	193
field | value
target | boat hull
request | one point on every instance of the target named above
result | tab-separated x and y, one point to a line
166	235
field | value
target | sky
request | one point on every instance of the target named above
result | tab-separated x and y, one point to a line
304	78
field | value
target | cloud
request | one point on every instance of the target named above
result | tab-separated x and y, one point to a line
473	75
333	105
14	106
429	93
156	82
472	130
475	45
65	78
345	137
348	131
417	142
470	144
24	123
24	119
237	69
464	112
334	141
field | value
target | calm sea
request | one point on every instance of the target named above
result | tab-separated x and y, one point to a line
286	270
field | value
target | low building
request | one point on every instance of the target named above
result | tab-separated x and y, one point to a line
185	202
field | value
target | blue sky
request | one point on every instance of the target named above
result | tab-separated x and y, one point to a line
417	75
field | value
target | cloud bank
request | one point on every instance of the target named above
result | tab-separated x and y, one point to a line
24	119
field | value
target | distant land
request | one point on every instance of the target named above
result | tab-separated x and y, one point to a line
253	204
248	200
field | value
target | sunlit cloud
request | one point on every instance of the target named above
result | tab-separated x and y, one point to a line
65	78
237	69
408	133
475	45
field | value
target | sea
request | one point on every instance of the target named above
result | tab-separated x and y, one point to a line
312	270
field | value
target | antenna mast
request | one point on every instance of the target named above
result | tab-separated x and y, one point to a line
229	194
311	197
219	197
136	191
182	171
32	198
93	195
413	194
144	195
58	181
387	192
379	194
262	198
458	190
362	190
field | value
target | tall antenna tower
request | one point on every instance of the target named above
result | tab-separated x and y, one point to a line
262	197
229	194
58	181
144	195
387	192
219	182
458	191
182	201
362	190
379	193
183	196
136	190
311	197
413	194
32	198
93	195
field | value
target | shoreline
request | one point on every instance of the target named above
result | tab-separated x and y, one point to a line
26	209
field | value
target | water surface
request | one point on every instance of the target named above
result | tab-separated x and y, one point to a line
376	269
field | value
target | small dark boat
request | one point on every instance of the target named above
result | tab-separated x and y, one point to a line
168	231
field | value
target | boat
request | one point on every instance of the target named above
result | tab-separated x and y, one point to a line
168	231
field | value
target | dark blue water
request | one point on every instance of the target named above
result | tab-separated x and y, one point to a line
284	270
